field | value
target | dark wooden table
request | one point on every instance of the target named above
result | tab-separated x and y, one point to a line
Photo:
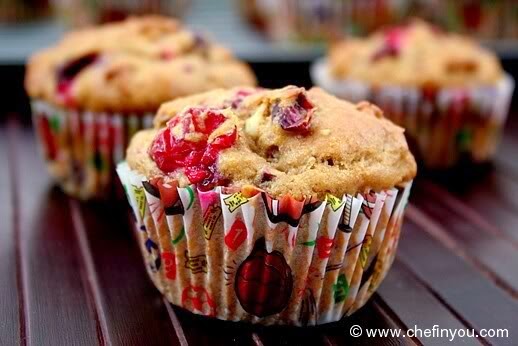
71	274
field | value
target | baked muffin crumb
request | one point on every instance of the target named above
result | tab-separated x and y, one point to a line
131	66
417	54
292	141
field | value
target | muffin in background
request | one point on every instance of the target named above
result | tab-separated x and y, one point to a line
450	94
96	87
268	206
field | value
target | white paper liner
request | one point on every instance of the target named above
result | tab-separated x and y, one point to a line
445	127
81	148
263	260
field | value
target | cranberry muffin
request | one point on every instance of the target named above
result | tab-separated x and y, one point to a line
268	206
449	93
97	86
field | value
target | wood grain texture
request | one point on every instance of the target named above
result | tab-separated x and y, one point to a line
481	244
132	308
57	309
374	314
418	306
460	284
10	325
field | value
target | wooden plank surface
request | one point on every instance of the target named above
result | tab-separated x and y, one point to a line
483	245
106	243
51	284
11	330
471	294
75	276
403	292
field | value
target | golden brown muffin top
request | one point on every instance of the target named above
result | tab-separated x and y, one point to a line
284	141
417	54
131	66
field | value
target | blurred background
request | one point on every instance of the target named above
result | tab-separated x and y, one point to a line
279	38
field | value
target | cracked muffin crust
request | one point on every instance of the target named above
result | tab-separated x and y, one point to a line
131	66
417	54
284	141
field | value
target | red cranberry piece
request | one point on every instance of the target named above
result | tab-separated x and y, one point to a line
213	179
64	95
238	98
197	158
266	176
182	147
170	153
167	54
193	158
159	149
69	71
208	124
295	117
225	141
210	155
196	174
64	86
393	42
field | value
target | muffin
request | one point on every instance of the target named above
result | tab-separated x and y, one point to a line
96	87
321	21
450	94
268	206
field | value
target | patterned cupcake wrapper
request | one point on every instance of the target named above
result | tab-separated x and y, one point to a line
82	148
245	256
444	125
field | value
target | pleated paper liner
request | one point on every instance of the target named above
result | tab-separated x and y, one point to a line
244	256
445	125
81	148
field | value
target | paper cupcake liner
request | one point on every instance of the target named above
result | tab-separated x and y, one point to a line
245	256
443	125
82	148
